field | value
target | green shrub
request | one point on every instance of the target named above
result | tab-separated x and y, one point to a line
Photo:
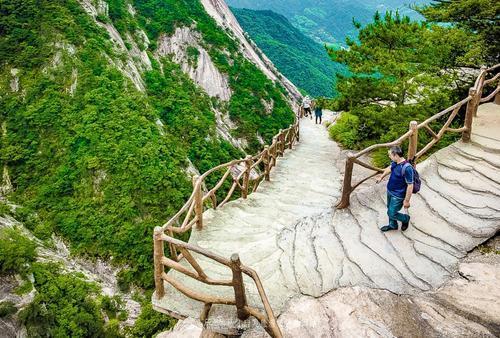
345	130
151	322
24	288
7	309
113	307
64	305
16	251
4	209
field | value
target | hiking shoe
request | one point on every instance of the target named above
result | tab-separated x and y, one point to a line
387	228
404	225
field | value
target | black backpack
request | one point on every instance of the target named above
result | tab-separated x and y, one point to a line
416	177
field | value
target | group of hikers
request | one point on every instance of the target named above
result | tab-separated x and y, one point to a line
403	181
308	105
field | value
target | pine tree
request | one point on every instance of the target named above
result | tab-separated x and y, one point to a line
478	16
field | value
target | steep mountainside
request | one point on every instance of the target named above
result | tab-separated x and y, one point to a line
106	106
304	61
328	21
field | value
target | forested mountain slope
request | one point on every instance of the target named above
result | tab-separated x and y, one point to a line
304	61
328	21
106	106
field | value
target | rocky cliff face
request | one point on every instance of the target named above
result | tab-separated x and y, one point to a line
220	11
185	47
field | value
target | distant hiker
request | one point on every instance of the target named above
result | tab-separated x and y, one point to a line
318	112
399	189
307	106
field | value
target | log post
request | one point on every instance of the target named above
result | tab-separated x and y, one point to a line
291	137
469	115
239	288
479	89
246	176
413	142
158	265
282	142
278	144
198	202
497	97
267	163
476	98
347	187
275	149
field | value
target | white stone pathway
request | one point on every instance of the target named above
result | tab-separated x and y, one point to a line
299	244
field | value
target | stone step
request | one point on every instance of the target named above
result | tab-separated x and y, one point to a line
422	271
299	244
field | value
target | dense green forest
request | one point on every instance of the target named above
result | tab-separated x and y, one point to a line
402	70
329	21
301	59
66	304
95	160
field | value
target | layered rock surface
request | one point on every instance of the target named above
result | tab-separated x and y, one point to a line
300	245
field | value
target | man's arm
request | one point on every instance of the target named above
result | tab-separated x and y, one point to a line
409	192
386	172
409	188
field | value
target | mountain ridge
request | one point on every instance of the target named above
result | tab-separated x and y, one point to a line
302	60
328	21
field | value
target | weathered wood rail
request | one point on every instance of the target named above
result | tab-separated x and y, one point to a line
472	102
243	309
244	176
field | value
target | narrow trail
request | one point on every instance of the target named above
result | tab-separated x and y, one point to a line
299	244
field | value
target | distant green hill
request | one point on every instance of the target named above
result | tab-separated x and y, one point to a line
302	60
329	21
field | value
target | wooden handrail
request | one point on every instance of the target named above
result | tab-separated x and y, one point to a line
244	181
472	100
246	175
243	310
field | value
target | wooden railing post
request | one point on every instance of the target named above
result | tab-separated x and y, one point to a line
413	142
297	131
291	137
198	202
497	97
347	187
283	143
158	265
469	115
476	98
480	86
280	143
267	163
246	176
239	288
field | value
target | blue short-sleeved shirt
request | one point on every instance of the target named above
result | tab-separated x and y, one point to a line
398	181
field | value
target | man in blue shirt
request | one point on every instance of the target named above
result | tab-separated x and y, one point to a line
399	189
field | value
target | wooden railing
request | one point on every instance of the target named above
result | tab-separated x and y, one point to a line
472	101
243	310
244	176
